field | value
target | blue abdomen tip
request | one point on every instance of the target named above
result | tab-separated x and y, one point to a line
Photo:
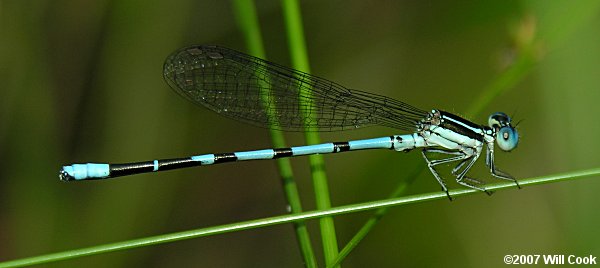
84	172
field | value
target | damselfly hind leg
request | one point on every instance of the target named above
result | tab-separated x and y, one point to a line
472	183
431	163
462	178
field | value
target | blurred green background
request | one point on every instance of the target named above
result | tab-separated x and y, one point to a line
81	81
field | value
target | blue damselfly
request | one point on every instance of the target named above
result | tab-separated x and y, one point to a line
269	95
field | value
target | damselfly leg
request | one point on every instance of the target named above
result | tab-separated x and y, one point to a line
461	178
432	163
496	172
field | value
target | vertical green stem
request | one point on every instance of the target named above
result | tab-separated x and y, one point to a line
297	44
374	219
248	22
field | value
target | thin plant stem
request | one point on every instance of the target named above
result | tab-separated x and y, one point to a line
299	58
289	218
248	22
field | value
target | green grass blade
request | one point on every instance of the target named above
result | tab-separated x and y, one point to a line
297	44
289	218
248	22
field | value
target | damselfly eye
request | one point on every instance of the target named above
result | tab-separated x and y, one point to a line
507	138
498	120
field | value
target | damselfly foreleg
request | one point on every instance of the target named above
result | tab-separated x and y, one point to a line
496	172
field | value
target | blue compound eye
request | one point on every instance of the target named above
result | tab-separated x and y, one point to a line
507	138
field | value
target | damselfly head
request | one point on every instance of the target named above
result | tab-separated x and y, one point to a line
498	120
507	136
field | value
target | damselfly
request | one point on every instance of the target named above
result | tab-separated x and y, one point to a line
269	95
